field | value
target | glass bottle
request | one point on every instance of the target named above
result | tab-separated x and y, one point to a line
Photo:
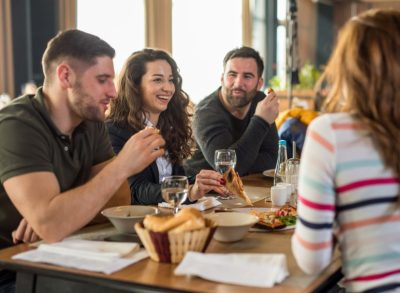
279	175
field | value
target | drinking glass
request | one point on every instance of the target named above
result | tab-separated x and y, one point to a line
174	190
223	160
292	177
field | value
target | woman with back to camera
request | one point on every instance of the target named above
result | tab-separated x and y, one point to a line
350	168
150	95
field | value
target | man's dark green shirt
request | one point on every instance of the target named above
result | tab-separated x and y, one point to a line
30	142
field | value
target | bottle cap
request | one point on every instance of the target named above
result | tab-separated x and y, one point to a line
282	142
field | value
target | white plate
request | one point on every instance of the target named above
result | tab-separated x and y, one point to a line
269	173
256	229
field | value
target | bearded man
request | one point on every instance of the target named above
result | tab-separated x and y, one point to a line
57	167
237	116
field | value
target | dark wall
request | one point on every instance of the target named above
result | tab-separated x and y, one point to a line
34	22
325	31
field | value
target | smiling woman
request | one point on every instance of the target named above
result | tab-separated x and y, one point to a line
158	88
150	94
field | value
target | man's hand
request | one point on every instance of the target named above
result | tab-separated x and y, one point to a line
24	233
268	108
140	150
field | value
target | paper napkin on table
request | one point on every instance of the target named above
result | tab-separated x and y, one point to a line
202	204
97	256
248	269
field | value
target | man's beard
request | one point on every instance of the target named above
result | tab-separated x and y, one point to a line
239	102
83	105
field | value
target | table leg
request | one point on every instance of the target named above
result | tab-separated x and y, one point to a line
25	282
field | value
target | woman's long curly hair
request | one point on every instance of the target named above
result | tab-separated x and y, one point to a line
127	110
364	78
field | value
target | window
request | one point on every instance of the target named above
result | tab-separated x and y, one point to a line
281	43
203	32
120	24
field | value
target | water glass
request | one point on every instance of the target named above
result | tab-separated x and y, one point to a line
278	195
289	190
292	177
223	160
174	190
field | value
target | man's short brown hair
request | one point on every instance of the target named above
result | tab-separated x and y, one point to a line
245	52
77	45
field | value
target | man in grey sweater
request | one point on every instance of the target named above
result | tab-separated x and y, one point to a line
237	116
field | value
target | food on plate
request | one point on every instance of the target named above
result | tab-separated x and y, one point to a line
235	185
188	219
268	220
279	219
287	210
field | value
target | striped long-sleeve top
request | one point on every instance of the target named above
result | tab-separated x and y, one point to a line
345	190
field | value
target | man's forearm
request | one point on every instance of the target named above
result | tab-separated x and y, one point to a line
73	209
121	198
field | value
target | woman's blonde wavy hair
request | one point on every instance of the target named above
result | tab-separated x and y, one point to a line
363	74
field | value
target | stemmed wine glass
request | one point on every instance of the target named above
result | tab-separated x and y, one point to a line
174	190
223	160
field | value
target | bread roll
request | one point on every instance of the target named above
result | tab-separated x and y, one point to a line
190	225
184	215
154	222
188	219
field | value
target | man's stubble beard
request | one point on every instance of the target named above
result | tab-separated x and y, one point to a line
82	105
239	102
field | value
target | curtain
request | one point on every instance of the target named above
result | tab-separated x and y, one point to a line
6	52
66	14
247	27
158	24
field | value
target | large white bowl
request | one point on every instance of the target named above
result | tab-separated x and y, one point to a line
124	218
232	226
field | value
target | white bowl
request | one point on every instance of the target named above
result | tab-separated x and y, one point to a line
124	218
232	226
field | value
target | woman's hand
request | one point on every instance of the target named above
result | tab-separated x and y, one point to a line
206	181
24	233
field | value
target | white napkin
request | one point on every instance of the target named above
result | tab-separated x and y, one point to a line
97	256
248	269
202	204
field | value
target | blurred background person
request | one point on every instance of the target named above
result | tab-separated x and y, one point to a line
29	88
4	100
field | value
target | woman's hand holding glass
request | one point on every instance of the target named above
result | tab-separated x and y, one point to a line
223	160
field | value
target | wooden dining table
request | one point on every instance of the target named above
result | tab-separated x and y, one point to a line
150	276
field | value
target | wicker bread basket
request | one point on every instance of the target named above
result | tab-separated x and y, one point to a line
171	247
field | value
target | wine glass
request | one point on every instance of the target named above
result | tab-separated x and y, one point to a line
223	160
174	190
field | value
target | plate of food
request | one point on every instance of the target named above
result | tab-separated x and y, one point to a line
269	173
271	219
